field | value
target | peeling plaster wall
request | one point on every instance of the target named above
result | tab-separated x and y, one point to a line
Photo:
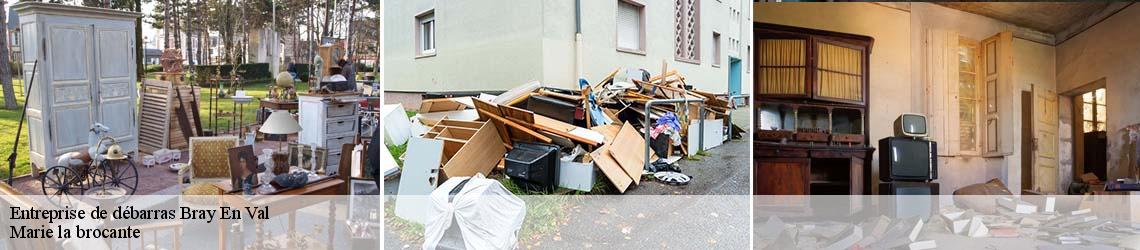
1110	49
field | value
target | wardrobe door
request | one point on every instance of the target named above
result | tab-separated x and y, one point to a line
115	77
70	94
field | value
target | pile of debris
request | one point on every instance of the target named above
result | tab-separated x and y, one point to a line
1054	222
543	138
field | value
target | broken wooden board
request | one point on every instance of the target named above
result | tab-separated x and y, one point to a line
611	168
517	94
575	133
430	119
506	127
522	117
487	111
608	131
440	105
628	149
573	98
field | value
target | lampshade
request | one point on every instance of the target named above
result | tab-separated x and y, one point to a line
280	123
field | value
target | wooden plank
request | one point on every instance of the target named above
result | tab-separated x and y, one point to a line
608	77
628	148
611	168
549	93
609	131
486	111
479	155
509	123
439	105
521	117
561	129
490	112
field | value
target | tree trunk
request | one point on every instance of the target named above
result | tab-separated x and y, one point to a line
351	31
5	65
328	18
177	25
139	70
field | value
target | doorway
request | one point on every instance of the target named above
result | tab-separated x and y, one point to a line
1089	129
734	76
1093	133
1027	144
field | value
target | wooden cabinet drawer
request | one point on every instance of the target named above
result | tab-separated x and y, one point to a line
336	141
340	126
771	152
340	109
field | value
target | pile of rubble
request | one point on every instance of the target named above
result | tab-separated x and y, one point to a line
627	125
1049	222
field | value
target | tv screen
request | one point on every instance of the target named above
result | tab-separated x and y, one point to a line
905	158
910	125
914	124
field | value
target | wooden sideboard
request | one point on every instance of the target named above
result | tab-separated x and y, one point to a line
810	169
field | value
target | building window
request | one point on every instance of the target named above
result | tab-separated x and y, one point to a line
15	39
969	98
630	27
425	33
716	49
749	61
687	31
1094	112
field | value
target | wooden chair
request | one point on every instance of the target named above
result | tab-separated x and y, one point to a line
209	160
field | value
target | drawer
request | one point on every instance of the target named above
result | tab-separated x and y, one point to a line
340	109
768	152
340	126
334	142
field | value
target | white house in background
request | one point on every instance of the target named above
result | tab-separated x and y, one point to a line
493	45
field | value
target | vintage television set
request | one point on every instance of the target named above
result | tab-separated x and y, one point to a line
910	125
908	156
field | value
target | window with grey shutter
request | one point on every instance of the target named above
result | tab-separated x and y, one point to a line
630	30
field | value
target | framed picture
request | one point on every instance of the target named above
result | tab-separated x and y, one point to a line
300	155
243	163
307	157
321	158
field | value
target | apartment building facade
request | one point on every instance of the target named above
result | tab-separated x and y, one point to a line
462	46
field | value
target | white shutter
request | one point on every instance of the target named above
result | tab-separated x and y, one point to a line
628	26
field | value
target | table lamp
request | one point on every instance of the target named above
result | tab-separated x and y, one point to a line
280	122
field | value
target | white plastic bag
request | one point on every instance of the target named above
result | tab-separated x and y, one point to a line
487	214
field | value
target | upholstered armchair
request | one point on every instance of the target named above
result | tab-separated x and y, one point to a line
209	160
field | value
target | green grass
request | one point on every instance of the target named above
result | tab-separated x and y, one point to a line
9	119
397	151
249	111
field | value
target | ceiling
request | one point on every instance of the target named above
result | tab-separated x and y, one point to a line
1051	18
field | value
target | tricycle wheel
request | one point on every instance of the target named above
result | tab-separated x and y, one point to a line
61	180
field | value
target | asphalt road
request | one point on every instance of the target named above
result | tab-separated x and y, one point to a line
711	212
